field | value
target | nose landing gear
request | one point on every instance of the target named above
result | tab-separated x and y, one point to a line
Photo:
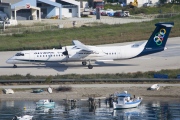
14	66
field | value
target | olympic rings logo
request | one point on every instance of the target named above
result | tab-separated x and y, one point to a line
158	38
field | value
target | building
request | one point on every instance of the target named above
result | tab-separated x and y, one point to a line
37	9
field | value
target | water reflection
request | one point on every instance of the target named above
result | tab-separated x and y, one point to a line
147	110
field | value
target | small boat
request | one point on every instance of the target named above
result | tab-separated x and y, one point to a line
155	87
25	117
37	90
8	91
124	100
45	103
49	89
45	109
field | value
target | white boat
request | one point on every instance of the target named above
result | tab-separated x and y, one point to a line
25	117
155	87
45	109
45	103
124	100
49	89
8	91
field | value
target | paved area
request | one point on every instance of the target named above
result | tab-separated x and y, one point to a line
168	59
67	22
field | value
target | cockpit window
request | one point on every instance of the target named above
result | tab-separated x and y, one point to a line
19	54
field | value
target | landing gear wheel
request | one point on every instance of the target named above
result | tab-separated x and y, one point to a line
15	66
84	63
90	66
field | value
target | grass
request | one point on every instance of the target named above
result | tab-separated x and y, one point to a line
172	74
63	88
95	35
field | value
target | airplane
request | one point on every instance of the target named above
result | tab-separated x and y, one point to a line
86	53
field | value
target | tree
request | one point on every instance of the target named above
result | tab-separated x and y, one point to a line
162	1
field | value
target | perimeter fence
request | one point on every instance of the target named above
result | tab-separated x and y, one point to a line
60	24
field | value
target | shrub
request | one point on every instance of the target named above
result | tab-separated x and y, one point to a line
64	88
48	79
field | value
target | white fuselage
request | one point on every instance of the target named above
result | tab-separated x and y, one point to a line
74	54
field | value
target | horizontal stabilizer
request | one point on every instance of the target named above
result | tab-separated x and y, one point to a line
80	45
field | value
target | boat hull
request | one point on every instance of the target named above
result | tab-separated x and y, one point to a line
51	104
126	105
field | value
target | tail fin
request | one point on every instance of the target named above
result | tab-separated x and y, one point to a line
158	39
160	35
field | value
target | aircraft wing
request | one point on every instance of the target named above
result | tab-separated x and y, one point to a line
80	45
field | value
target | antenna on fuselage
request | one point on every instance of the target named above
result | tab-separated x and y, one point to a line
60	46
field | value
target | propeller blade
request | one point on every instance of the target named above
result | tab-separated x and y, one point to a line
66	52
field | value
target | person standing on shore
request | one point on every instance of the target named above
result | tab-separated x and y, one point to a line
74	23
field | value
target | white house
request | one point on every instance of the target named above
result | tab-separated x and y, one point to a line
37	9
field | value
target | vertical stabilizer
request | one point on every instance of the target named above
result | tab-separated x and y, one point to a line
160	35
158	39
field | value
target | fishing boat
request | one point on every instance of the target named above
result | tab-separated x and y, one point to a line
25	117
45	103
124	100
45	109
8	91
155	87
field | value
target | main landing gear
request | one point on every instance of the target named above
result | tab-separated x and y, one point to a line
84	63
90	66
14	66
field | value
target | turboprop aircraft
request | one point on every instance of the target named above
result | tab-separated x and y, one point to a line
86	53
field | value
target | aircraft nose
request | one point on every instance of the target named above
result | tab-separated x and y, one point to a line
9	61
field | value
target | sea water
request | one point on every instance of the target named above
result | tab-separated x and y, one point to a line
147	110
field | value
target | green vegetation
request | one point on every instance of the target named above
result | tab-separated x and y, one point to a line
172	74
63	88
161	9
92	35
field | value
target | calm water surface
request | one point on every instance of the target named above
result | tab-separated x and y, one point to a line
148	110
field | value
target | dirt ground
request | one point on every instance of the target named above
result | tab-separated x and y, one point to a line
85	93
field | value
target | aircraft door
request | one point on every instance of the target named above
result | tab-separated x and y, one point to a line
118	54
31	57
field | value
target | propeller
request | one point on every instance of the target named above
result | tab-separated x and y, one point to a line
66	52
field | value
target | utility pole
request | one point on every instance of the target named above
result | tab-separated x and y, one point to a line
4	22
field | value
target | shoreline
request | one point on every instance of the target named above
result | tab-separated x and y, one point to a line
78	93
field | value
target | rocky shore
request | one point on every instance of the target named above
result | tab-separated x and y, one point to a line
78	93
